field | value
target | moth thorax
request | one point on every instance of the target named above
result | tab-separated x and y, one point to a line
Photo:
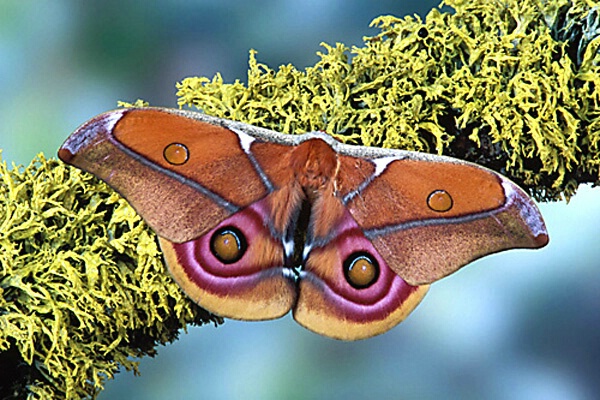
314	164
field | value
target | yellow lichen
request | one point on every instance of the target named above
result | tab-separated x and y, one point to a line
497	83
82	283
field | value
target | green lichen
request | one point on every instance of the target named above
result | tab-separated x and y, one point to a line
83	288
512	85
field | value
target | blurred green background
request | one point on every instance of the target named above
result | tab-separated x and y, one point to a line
517	325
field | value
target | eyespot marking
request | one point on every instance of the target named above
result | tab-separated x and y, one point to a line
361	270
228	245
440	201
176	154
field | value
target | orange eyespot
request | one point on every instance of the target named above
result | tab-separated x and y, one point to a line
440	201
176	154
228	245
361	270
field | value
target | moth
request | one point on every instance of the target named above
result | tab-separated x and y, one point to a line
254	224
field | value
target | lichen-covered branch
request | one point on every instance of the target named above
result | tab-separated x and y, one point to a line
512	85
83	289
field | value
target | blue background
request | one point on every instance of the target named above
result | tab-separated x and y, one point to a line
516	325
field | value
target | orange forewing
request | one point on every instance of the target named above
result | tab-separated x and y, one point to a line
216	160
